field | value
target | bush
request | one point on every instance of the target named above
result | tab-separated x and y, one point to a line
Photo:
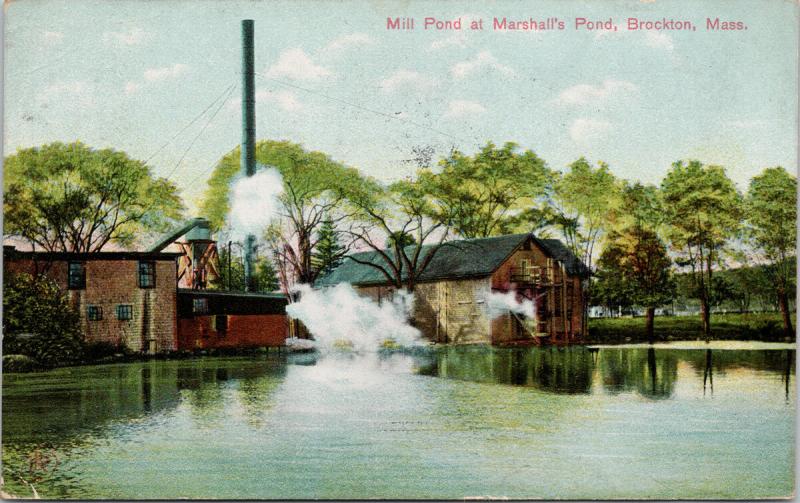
753	326
99	350
19	363
39	322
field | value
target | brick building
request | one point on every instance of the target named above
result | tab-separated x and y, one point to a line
124	297
451	294
214	319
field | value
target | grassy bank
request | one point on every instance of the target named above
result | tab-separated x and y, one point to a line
752	326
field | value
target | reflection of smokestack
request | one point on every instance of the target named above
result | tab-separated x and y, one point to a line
248	149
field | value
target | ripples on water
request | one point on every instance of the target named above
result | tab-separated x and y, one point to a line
632	422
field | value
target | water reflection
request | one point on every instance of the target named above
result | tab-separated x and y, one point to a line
650	372
87	399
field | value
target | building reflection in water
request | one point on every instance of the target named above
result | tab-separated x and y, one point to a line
89	399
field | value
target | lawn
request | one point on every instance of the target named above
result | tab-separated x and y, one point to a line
751	326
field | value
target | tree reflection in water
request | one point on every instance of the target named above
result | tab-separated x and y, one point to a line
650	372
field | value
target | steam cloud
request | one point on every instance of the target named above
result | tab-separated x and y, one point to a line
254	201
502	303
340	314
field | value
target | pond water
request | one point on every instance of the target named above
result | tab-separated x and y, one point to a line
601	422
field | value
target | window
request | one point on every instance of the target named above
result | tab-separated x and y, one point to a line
94	313
147	274
221	323
200	306
77	276
124	312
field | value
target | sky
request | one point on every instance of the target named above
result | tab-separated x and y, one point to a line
160	80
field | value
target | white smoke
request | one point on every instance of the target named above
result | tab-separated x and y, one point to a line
254	201
338	316
501	303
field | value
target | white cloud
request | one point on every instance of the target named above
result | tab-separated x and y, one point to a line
585	93
658	40
53	37
458	38
584	130
286	100
131	87
165	72
483	59
345	42
745	124
134	36
74	92
463	108
153	75
406	80
297	65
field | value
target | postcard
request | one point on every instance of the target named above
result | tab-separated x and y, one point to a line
403	250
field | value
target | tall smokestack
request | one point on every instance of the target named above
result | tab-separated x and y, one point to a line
248	149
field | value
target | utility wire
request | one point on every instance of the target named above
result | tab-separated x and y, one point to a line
197	136
344	102
361	107
196	118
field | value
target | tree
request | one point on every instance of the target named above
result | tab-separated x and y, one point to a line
401	225
71	197
231	278
771	223
490	192
612	287
39	322
703	210
314	187
636	260
585	201
329	252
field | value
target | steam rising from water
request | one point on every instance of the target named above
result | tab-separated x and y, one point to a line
339	317
254	201
502	303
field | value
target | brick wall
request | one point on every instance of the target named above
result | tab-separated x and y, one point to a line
110	283
242	331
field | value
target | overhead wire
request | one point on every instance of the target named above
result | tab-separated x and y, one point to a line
197	136
189	124
350	104
361	107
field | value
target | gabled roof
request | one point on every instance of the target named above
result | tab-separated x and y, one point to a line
455	259
559	251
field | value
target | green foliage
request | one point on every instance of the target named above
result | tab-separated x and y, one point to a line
39	322
314	187
587	200
489	193
772	213
772	226
19	363
100	350
306	175
70	197
641	207
703	211
741	327
634	269
265	278
328	251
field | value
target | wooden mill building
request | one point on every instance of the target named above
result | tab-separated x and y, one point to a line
451	293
